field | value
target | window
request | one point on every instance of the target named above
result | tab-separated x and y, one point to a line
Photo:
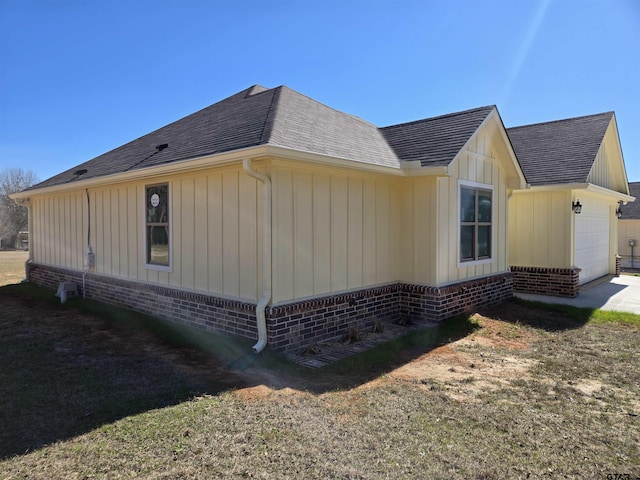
475	223
157	225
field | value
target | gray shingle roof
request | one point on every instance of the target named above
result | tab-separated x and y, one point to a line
304	124
632	209
435	141
233	123
285	118
562	151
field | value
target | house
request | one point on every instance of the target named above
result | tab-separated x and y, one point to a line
563	228
271	216
629	230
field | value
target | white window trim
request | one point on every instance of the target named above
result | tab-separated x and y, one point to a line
484	261
152	266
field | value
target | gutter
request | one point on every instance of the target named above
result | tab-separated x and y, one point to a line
266	258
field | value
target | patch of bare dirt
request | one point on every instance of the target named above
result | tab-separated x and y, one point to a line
463	372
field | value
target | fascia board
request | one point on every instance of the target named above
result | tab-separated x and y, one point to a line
493	115
404	169
609	193
556	187
208	161
587	187
311	157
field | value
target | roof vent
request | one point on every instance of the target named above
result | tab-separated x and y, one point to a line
80	172
162	146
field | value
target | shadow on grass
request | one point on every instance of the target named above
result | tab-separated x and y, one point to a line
64	373
386	357
552	317
68	369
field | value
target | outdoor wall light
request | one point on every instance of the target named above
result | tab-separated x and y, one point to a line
576	207
619	210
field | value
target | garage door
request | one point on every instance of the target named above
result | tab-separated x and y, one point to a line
592	240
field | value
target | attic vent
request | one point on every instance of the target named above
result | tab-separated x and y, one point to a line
80	172
162	146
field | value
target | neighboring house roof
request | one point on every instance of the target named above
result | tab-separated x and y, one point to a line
562	151
435	141
631	211
285	118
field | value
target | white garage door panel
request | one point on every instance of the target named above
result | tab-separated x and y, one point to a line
592	241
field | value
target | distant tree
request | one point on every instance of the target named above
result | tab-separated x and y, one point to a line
13	217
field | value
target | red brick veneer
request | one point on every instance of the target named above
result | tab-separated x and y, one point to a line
559	282
294	324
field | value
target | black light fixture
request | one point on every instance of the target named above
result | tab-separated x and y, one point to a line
576	207
619	210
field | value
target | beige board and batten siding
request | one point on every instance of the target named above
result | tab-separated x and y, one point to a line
608	168
333	230
540	226
214	231
57	226
431	229
629	229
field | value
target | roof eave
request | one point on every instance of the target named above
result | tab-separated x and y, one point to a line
588	187
415	169
312	157
191	164
207	161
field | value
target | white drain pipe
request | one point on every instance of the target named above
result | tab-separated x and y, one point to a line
266	257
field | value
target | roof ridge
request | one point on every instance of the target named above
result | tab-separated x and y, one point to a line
564	120
437	117
270	117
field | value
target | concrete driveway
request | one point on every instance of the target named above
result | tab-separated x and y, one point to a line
608	293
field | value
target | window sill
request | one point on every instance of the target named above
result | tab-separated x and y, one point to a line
473	263
158	268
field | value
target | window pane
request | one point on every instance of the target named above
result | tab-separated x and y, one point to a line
467	205
484	241
157	204
158	245
484	206
467	233
157	231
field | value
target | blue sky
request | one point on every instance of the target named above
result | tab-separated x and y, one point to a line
81	77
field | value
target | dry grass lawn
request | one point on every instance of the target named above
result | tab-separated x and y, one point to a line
12	266
509	392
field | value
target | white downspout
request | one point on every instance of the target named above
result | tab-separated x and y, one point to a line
266	257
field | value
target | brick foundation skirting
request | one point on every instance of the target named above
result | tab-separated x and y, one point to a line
292	325
298	324
437	304
224	316
559	282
